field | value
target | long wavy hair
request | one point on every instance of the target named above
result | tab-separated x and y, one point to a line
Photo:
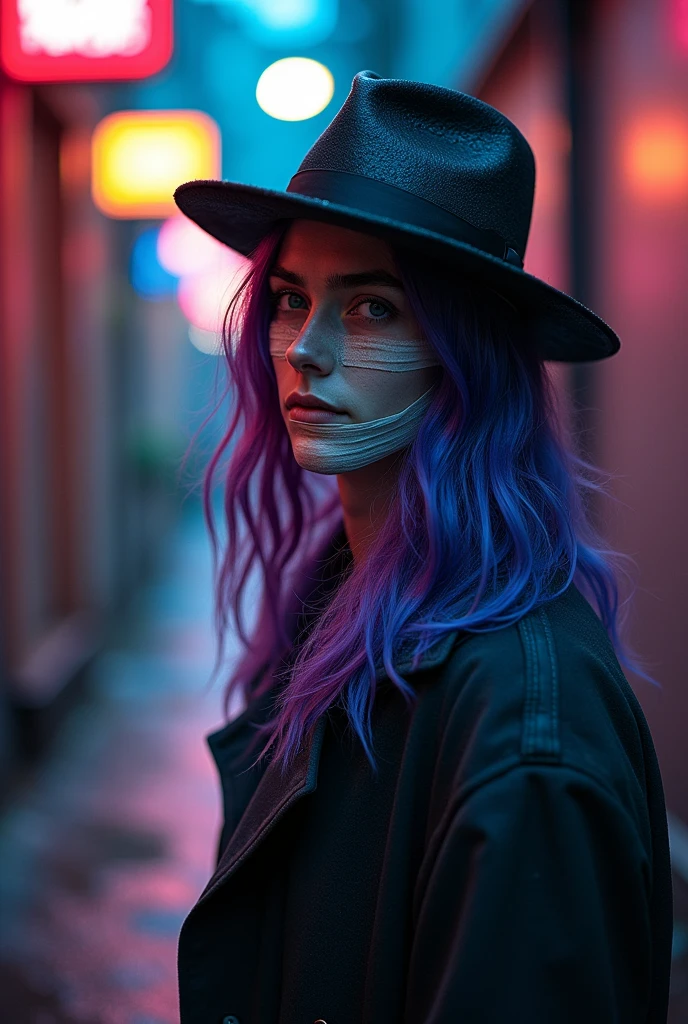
491	505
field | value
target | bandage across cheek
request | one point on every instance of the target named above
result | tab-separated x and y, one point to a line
366	350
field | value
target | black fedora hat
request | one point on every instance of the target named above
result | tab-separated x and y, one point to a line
425	166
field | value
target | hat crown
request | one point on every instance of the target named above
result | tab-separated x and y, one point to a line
438	144
426	167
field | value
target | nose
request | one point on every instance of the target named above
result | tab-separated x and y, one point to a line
313	350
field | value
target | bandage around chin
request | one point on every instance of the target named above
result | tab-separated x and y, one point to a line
340	447
366	350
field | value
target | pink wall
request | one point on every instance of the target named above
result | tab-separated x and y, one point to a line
636	73
642	290
526	84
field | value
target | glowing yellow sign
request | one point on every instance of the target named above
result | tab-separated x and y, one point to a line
138	157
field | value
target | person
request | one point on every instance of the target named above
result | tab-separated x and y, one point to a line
458	813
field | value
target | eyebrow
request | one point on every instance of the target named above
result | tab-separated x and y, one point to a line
334	281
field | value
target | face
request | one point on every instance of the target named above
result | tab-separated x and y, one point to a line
311	252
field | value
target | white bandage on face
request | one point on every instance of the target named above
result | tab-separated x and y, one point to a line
339	447
366	350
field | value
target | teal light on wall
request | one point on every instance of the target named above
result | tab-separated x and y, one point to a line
283	23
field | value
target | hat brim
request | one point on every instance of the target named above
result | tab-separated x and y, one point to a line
561	328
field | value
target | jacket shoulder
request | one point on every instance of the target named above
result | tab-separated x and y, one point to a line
547	690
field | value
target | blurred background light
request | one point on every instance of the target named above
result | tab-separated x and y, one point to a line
204	297
64	40
655	157
184	248
148	277
139	158
294	88
679	24
279	15
208	342
283	22
95	28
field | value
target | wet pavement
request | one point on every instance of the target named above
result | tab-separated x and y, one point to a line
110	840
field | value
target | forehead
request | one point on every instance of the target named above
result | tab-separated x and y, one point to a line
315	242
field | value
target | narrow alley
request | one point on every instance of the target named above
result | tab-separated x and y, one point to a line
107	845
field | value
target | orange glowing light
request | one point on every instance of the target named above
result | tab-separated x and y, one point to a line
138	157
655	158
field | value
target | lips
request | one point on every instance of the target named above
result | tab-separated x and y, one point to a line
307	401
300	414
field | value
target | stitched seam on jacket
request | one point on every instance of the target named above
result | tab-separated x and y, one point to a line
540	722
530	683
554	716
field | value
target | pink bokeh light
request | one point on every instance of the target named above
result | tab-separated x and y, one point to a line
184	248
204	297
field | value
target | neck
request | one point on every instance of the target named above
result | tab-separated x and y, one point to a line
365	495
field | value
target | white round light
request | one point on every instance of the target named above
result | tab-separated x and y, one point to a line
294	88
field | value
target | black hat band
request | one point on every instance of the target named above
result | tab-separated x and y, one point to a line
382	200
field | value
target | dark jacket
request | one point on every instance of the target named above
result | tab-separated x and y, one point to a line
510	864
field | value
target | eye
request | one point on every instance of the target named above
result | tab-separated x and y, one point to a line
382	312
276	297
377	307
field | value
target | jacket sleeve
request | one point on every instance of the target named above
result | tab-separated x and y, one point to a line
535	908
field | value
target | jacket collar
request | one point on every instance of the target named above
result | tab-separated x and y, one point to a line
277	793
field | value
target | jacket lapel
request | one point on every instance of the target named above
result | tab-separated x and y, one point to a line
277	793
273	797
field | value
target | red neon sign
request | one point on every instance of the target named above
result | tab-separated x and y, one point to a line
85	41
